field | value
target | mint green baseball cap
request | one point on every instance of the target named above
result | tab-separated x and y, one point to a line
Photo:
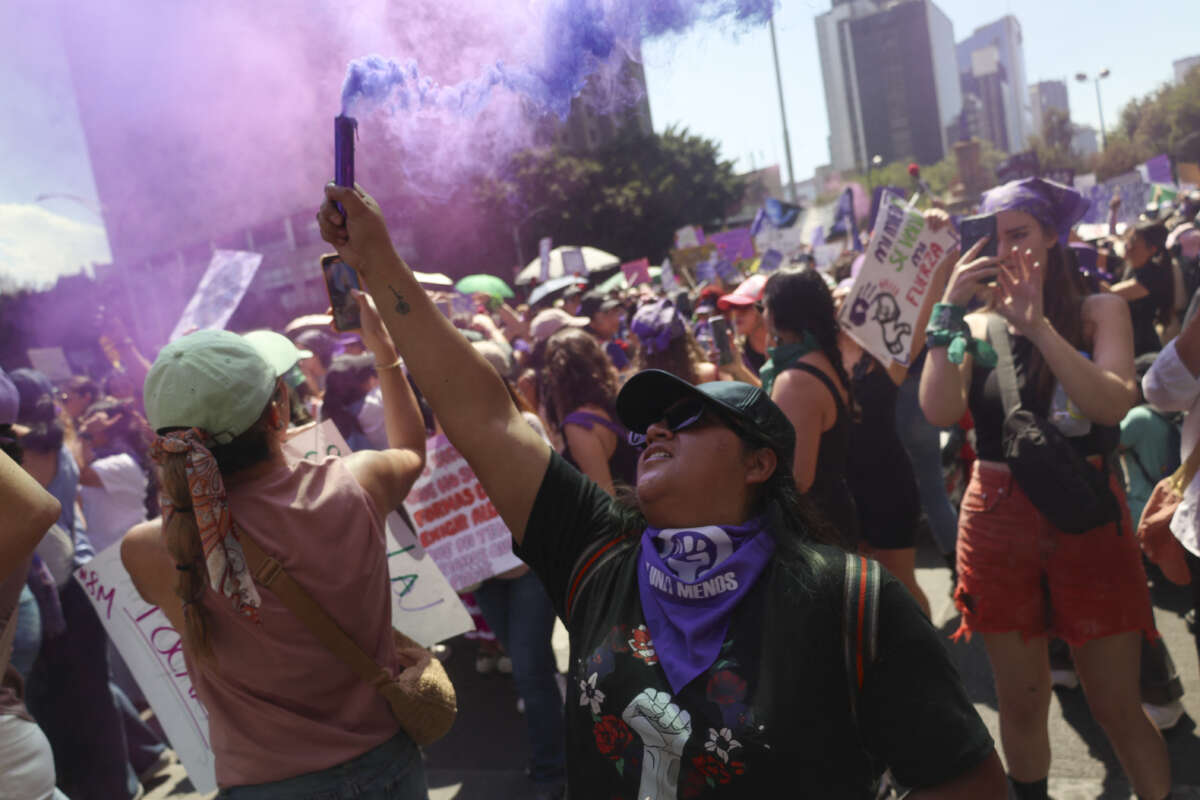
277	350
212	380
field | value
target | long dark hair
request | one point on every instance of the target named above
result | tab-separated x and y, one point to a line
576	373
799	300
1154	235
1064	308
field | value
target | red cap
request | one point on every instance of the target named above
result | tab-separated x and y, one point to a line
749	292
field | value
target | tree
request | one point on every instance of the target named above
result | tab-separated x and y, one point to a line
628	197
1163	121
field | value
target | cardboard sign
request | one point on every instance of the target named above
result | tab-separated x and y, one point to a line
706	271
689	236
573	263
544	255
771	261
726	271
787	241
667	276
50	361
686	260
225	282
734	245
637	271
880	312
456	522
424	605
153	650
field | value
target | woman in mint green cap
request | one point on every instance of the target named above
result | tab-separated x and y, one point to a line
287	718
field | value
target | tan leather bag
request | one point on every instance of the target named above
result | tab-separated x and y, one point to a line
421	696
1154	529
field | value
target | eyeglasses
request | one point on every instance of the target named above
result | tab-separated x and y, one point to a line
679	416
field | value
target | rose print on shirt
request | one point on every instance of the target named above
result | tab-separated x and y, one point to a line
642	647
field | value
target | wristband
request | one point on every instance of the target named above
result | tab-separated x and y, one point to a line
948	329
399	362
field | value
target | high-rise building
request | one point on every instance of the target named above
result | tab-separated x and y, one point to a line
1185	65
1084	140
991	63
603	109
891	81
1044	96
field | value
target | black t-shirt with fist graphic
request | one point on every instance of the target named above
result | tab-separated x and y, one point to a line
772	713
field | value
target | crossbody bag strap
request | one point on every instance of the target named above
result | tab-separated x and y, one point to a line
1006	372
270	573
860	616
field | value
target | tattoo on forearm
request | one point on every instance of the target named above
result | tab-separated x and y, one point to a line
402	306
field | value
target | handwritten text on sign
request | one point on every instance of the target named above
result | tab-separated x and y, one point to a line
882	309
154	652
424	605
456	522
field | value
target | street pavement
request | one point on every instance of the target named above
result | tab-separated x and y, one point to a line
483	757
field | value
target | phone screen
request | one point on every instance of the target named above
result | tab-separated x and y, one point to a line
720	330
972	229
340	278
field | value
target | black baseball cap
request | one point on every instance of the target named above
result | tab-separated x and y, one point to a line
594	302
646	397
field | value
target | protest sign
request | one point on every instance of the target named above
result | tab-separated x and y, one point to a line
217	296
685	260
734	245
689	236
573	263
667	276
456	522
825	254
881	310
424	605
726	271
788	241
544	255
770	262
706	271
637	271
50	361
153	651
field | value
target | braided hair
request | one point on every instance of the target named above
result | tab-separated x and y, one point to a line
799	300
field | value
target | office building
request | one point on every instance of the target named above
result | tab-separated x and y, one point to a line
1084	141
1044	96
1185	65
604	108
891	81
991	65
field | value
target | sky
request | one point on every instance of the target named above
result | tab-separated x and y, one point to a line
717	81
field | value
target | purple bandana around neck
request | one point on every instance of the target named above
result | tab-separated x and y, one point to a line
689	591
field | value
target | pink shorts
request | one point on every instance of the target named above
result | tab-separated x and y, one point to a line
1018	573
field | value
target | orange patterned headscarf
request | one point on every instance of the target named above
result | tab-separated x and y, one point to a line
219	536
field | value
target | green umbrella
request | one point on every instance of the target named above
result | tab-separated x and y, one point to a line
612	284
484	284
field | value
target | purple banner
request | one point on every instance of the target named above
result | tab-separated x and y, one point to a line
1158	169
734	244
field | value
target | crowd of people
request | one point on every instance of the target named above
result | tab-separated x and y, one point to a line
701	480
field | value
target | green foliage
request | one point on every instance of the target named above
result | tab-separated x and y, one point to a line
628	197
1164	121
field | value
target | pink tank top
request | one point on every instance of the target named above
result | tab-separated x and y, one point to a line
280	704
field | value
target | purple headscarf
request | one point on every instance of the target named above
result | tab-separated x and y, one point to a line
657	324
1052	204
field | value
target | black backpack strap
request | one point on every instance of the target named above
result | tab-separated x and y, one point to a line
860	621
596	555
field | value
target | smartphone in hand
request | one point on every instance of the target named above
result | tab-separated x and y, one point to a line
972	229
340	279
720	332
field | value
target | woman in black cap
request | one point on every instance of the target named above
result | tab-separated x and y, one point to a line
708	656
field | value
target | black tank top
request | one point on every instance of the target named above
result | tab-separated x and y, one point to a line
829	490
987	408
878	469
622	464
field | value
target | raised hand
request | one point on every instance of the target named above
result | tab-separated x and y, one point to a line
1020	298
361	237
970	274
374	335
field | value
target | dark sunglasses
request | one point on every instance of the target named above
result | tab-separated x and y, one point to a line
679	416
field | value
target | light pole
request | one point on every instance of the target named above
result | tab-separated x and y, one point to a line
517	233
876	163
1083	77
787	141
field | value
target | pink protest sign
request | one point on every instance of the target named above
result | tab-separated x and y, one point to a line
637	271
456	522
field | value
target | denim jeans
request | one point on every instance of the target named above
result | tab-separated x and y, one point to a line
391	771
69	696
520	613
921	440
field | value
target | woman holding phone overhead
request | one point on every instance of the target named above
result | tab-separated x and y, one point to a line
1065	357
676	606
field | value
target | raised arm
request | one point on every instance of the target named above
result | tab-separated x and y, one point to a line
466	394
29	511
